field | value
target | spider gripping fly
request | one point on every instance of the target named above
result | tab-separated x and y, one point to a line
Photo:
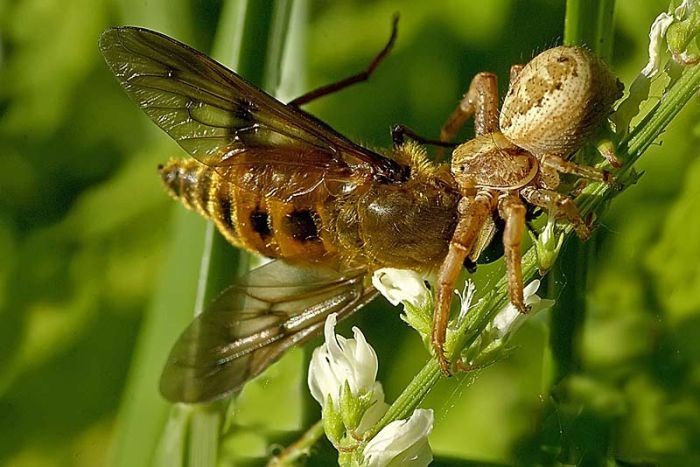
278	182
553	106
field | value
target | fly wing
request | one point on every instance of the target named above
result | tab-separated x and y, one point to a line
217	116
252	323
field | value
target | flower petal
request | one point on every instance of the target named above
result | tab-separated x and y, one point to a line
657	33
509	319
419	454
366	359
531	289
400	285
321	379
339	360
402	442
376	410
465	297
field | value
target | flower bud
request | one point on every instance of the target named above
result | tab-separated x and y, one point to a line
341	378
547	246
402	442
401	285
509	319
341	361
332	422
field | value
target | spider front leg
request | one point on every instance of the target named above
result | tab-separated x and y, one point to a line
473	213
564	205
512	211
481	101
567	167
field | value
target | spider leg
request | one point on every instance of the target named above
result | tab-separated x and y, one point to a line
473	212
562	204
481	101
549	177
514	72
512	210
565	166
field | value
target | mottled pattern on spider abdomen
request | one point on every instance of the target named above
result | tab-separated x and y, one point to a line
557	101
248	218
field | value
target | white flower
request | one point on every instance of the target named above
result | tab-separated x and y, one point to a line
402	442
657	34
509	319
376	410
341	360
465	300
400	285
662	40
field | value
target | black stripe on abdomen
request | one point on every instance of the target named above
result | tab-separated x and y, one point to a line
303	225
261	223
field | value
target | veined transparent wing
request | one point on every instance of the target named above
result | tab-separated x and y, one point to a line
252	323
217	116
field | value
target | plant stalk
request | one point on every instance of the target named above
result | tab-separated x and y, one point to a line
588	23
262	23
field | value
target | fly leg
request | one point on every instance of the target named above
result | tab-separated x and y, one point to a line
473	212
562	204
399	133
512	211
350	80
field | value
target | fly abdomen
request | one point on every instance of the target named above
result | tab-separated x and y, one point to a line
249	219
182	179
201	189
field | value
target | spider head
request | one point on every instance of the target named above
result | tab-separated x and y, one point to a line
491	161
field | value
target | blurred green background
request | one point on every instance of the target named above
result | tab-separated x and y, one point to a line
86	232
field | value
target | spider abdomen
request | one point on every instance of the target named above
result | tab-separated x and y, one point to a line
558	100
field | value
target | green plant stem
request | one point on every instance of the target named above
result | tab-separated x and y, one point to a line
264	23
567	282
417	389
142	412
293	454
593	200
644	134
587	23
